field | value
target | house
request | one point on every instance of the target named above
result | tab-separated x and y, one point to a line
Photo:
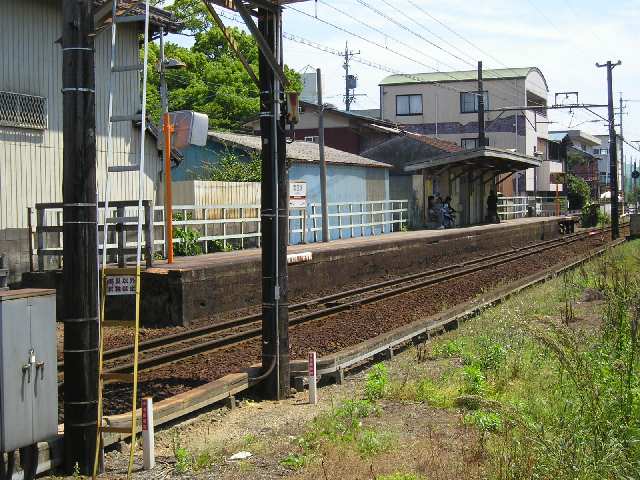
31	113
352	132
601	152
445	105
575	150
351	179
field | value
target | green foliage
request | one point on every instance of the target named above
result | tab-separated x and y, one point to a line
428	392
214	80
401	476
447	349
230	168
188	245
184	460
475	382
377	382
343	425
295	461
484	421
579	192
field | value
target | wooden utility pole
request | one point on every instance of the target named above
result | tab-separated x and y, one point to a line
80	273
482	138
323	163
275	212
613	149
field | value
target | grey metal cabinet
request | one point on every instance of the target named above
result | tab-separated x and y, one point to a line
28	372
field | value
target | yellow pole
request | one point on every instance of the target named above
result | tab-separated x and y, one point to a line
557	200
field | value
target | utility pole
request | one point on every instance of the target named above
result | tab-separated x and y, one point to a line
275	212
80	230
323	162
350	80
624	180
167	132
613	158
482	138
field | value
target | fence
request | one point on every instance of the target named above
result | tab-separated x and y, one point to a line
46	240
510	208
217	227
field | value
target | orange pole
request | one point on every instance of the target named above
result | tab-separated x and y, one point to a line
167	130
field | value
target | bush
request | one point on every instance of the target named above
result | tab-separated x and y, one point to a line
475	383
188	245
579	192
377	382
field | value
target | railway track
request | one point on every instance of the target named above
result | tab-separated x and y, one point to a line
172	348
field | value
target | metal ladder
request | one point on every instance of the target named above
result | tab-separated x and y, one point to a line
118	280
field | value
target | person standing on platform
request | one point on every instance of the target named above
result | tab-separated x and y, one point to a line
492	207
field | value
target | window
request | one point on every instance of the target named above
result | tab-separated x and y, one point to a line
469	143
408	105
23	111
469	102
312	139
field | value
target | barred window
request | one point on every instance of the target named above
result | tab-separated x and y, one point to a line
23	111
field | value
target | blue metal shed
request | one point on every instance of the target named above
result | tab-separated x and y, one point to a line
356	186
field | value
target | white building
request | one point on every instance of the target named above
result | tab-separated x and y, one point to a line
445	105
31	113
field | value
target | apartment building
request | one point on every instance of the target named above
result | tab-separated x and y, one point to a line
445	105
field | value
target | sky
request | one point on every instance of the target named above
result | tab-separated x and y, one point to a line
564	38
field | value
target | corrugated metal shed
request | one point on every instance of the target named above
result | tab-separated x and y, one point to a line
31	63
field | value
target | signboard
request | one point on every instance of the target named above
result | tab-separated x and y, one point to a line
121	285
297	195
558	177
635	174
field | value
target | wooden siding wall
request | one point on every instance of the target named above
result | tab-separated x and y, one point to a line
31	63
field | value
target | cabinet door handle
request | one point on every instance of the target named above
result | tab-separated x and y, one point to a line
40	366
26	368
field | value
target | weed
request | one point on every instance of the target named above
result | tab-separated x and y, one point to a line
295	461
371	442
484	421
401	476
184	460
377	382
428	392
447	349
475	383
188	245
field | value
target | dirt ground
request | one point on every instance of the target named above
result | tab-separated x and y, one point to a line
430	441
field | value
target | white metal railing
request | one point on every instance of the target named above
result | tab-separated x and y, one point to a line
239	225
510	208
359	219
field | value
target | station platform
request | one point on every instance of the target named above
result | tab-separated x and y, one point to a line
195	288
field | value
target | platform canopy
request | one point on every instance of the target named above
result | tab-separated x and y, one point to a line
488	158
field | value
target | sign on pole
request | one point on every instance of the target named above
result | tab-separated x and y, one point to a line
297	195
121	285
148	440
313	372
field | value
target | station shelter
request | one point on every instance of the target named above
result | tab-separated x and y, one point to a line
467	177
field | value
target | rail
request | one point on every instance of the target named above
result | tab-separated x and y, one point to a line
46	233
510	208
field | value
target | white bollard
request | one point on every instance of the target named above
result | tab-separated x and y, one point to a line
313	387
148	441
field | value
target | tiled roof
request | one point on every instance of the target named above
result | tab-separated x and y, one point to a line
300	151
157	16
435	142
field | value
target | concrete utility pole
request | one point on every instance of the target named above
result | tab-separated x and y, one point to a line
323	162
482	138
613	157
275	212
348	96
624	180
80	273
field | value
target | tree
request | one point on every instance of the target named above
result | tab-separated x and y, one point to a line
214	80
578	193
230	168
